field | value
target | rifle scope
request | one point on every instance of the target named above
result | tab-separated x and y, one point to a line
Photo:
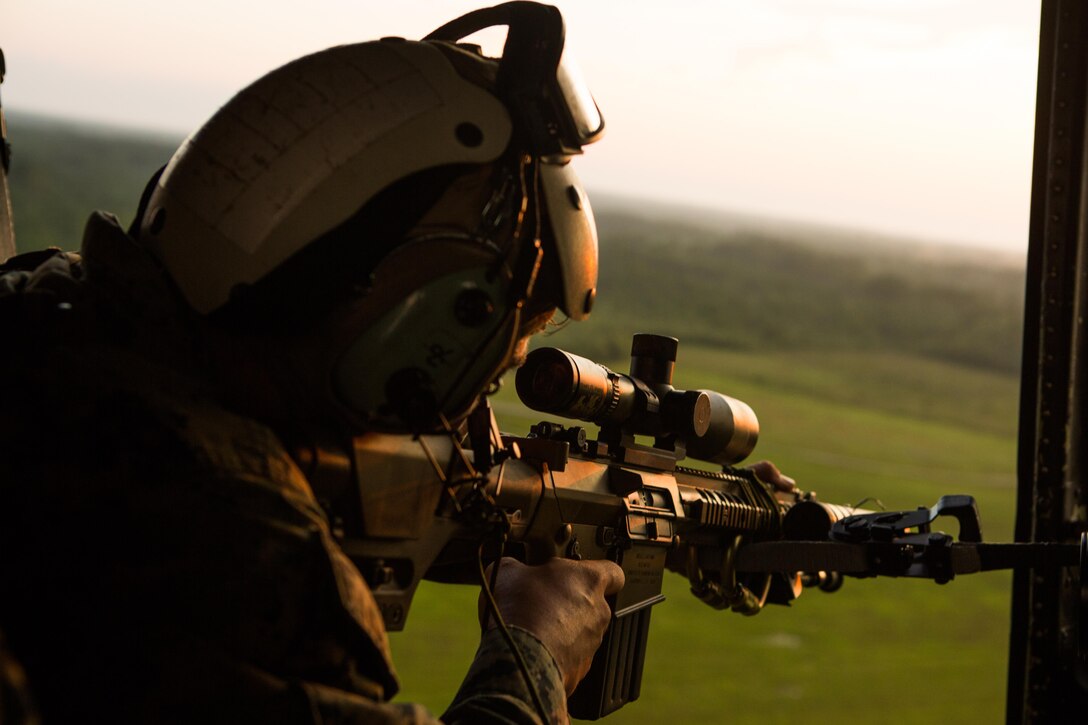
713	427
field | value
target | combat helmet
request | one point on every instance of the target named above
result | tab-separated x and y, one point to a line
413	186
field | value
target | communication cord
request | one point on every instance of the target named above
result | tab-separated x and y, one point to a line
493	611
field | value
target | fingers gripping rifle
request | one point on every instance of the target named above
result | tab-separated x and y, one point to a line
742	542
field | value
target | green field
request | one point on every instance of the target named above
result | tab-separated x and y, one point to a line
895	650
879	368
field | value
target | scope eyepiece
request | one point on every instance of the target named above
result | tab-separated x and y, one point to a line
554	381
713	427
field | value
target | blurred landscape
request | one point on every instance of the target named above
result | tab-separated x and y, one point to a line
879	367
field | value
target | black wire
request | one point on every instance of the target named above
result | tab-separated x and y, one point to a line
493	611
867	499
495	568
555	494
539	503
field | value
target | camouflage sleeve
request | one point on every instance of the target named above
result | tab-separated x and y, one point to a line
494	691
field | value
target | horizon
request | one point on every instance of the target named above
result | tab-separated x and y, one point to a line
883	116
840	234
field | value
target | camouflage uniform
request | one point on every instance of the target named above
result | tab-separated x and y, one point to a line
162	558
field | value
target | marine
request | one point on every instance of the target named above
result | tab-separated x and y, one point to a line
288	277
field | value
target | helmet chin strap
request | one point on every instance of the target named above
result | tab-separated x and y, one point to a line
527	251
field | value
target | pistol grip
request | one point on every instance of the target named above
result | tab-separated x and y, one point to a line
615	677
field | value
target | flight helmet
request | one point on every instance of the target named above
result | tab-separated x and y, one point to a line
413	189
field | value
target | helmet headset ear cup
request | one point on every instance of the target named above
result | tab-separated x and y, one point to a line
437	324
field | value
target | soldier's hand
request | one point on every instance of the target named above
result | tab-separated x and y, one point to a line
677	559
769	473
562	604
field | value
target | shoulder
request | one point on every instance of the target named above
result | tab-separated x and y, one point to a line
160	500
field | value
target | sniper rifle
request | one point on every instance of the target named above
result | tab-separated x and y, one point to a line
477	495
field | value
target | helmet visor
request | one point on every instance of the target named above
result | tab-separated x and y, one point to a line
584	116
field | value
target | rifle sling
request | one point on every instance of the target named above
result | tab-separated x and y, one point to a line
871	558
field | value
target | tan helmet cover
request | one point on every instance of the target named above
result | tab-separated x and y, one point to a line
302	149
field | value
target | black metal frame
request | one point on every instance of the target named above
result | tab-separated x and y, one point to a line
1044	677
7	228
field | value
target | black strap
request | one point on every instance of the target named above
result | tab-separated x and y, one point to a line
890	559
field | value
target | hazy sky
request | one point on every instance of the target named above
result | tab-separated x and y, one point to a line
906	116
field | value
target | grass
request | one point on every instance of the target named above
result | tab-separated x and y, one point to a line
61	172
865	650
875	371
